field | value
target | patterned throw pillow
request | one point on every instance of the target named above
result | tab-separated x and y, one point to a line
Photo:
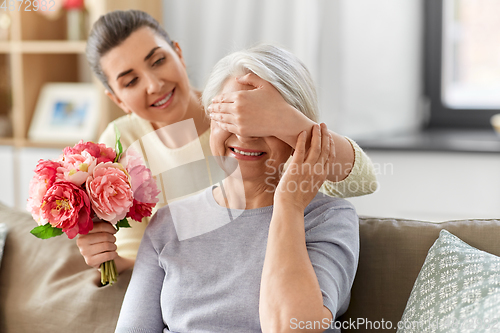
3	236
457	290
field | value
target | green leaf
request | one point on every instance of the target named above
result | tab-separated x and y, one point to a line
122	224
46	231
118	145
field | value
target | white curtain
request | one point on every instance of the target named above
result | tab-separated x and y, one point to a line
351	47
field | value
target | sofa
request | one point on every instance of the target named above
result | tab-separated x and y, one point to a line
45	285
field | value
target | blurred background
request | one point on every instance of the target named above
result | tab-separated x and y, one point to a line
415	83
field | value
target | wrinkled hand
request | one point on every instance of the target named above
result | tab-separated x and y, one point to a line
258	112
307	171
98	245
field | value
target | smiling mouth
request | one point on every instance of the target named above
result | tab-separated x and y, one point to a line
246	153
164	100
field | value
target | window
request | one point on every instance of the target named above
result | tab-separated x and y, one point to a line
462	62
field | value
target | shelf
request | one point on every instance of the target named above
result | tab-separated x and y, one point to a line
458	141
37	70
46	144
37	52
26	143
4	47
35	26
7	141
51	46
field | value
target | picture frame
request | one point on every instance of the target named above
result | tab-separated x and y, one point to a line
66	112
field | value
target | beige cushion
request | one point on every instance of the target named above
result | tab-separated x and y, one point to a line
45	285
392	253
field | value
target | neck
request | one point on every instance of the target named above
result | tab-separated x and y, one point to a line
196	112
178	136
247	194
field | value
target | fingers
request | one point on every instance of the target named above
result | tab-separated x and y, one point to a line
98	245
97	253
227	118
103	227
95	238
325	145
96	260
224	98
97	248
222	106
228	127
249	79
333	153
299	154
300	148
315	147
252	80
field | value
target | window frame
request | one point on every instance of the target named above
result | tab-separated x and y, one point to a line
440	115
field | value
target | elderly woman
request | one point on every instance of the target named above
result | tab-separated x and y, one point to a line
262	251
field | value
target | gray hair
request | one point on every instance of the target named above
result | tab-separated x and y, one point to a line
277	66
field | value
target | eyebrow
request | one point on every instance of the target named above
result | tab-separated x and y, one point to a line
123	73
150	54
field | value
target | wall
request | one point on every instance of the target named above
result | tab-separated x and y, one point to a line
381	64
434	186
7	189
364	55
16	171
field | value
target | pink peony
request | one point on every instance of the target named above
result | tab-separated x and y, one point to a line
45	176
110	192
98	150
76	168
140	210
143	184
67	206
131	158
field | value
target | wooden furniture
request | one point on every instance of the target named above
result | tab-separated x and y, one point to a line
37	52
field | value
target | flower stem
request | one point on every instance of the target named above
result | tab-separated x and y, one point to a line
108	273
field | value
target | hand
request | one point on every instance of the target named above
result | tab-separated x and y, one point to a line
307	171
98	245
258	112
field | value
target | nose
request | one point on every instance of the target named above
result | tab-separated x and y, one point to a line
154	83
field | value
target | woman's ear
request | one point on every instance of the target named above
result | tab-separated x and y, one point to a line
178	50
117	101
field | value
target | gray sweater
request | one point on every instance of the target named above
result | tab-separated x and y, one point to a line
199	265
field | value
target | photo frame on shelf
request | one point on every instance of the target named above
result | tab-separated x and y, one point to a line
66	112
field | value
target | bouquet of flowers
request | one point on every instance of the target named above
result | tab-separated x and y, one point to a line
90	180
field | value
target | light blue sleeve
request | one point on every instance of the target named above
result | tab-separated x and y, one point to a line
333	248
141	308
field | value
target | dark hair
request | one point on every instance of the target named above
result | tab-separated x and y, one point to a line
111	30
